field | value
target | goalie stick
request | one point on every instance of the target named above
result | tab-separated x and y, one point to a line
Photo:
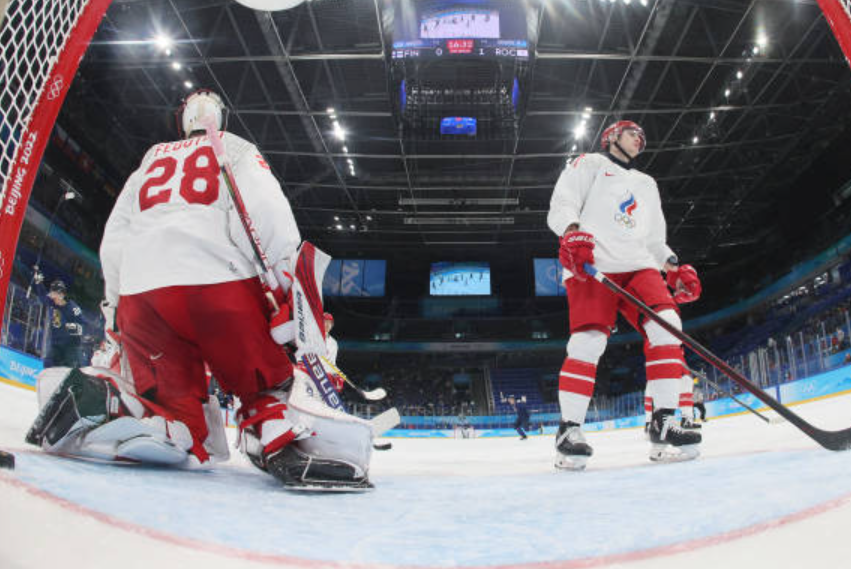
831	440
267	277
371	395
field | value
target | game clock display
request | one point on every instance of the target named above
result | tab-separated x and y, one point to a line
471	28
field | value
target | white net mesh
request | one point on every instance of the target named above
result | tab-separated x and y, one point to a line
31	38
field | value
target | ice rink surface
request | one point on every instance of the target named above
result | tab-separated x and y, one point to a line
760	496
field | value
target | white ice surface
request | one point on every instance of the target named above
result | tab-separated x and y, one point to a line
760	496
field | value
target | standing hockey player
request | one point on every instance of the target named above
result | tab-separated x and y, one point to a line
179	265
521	421
609	214
65	322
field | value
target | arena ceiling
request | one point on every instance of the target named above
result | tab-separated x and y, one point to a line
738	100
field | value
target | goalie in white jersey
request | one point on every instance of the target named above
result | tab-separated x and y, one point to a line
179	266
609	214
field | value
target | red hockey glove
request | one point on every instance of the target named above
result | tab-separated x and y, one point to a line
685	284
576	249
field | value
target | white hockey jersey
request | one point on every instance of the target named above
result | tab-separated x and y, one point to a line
620	207
175	223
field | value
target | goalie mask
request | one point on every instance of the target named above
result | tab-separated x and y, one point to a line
613	132
195	107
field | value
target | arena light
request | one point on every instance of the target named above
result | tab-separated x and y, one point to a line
339	227
727	92
338	131
739	74
176	65
695	140
164	43
579	131
762	41
188	84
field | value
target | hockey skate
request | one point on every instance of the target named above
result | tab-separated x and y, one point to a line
300	471
572	452
669	442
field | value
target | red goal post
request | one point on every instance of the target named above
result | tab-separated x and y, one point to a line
41	45
838	15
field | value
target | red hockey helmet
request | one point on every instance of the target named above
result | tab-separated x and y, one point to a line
328	317
615	130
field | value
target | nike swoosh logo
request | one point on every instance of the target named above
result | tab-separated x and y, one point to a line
607	174
155	357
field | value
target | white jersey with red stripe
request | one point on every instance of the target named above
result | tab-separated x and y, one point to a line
619	206
175	223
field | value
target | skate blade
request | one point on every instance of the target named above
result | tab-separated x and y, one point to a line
662	453
575	463
321	489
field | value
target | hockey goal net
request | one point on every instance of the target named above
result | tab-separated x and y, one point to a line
41	44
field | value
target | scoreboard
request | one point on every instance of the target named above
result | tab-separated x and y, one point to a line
437	29
455	47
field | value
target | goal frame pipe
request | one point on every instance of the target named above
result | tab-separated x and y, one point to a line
838	16
36	133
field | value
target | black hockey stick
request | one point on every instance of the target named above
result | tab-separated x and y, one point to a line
720	390
831	440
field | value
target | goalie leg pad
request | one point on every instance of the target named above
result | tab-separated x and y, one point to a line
78	404
337	434
90	417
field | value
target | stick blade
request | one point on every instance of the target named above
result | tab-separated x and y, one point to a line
375	394
832	440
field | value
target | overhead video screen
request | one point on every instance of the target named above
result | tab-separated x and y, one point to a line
452	28
548	278
460	279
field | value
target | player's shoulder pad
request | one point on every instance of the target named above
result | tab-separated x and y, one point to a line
590	160
647	178
236	144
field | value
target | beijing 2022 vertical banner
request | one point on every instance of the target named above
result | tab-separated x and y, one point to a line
30	138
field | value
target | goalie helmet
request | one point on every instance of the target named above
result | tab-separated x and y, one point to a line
612	133
328	317
195	107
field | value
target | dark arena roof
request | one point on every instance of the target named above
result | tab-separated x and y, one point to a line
745	105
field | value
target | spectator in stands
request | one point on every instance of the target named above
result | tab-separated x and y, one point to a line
65	322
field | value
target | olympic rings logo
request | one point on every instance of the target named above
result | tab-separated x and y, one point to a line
625	220
55	88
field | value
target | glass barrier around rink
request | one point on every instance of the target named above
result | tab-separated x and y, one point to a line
820	344
25	326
